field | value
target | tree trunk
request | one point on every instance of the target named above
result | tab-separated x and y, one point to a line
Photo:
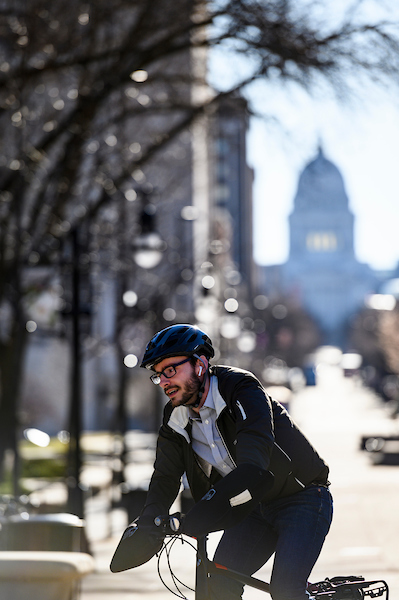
12	353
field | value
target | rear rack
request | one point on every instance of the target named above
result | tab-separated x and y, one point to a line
349	588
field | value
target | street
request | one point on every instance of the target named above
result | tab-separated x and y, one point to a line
364	535
363	539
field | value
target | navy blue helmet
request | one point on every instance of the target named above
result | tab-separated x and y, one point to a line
177	340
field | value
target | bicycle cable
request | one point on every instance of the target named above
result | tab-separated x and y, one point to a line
167	548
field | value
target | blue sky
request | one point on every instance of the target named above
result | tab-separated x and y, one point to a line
361	138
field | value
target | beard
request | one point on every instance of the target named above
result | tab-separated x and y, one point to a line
189	392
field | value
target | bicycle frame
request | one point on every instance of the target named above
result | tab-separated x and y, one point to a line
206	567
338	587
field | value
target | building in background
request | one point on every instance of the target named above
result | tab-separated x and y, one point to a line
322	272
194	199
232	183
163	203
224	302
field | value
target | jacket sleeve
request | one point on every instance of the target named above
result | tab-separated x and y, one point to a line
168	471
231	500
252	410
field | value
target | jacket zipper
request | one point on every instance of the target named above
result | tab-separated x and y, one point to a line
224	443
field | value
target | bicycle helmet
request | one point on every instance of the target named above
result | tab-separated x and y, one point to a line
177	340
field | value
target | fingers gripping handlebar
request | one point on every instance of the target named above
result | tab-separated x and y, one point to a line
170	524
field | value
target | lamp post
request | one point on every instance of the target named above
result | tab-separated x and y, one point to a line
147	251
75	493
80	308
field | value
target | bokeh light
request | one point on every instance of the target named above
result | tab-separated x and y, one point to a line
130	298
231	305
208	282
31	326
130	360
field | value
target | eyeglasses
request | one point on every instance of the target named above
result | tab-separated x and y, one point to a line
168	372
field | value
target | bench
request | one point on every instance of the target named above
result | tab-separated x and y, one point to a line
43	575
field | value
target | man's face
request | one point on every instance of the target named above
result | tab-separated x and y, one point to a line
182	388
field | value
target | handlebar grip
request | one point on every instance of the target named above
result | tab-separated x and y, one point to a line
170	523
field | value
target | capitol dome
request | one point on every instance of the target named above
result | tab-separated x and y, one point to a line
322	269
321	186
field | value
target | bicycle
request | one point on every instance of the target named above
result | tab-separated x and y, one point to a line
335	588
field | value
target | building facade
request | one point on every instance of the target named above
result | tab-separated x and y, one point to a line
232	183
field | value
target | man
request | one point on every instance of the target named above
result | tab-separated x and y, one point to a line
251	471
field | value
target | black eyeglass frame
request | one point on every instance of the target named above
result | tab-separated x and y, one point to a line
156	377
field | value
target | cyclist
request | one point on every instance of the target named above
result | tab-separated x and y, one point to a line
251	471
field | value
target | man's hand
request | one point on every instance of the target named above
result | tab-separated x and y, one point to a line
170	524
140	541
231	500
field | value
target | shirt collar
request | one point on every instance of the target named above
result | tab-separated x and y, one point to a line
209	403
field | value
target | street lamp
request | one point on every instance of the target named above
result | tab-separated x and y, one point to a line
148	247
147	251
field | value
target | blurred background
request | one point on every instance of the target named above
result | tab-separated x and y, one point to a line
136	177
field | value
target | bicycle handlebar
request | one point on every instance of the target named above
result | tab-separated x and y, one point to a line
170	524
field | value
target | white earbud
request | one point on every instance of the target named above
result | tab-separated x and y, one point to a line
199	371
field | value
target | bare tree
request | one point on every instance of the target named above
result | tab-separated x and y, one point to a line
91	92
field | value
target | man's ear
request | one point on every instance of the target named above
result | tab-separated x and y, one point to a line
202	365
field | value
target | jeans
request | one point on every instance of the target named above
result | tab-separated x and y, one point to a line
293	528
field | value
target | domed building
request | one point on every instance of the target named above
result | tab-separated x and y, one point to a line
322	271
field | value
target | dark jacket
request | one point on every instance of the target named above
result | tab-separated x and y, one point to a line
255	429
